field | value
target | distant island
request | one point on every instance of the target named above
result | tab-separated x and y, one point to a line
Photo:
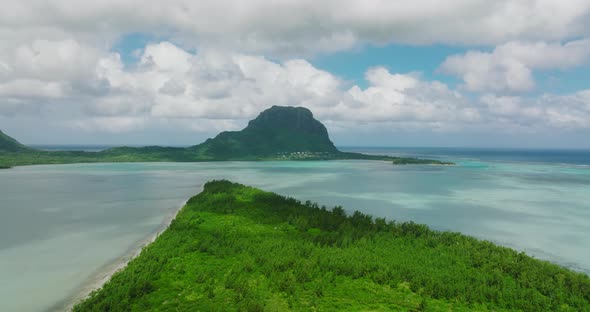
237	248
278	133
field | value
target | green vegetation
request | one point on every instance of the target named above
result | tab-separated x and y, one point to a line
9	144
418	161
278	133
353	156
38	157
236	248
172	154
275	130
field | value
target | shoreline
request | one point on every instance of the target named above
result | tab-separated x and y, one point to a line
104	274
468	256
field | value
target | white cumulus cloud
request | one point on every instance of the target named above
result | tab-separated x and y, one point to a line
209	91
509	67
297	27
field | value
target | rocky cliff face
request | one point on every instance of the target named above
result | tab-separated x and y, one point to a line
296	119
276	130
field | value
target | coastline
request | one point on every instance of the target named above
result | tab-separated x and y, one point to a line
252	214
174	204
105	273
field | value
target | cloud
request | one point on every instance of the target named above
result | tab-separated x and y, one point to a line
403	98
296	28
212	90
46	59
108	124
42	72
222	62
562	112
31	88
237	86
218	85
509	67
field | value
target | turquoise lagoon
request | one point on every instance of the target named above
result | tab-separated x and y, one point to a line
63	228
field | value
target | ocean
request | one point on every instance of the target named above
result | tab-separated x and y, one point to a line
544	156
64	227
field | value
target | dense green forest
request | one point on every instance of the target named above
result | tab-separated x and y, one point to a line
237	248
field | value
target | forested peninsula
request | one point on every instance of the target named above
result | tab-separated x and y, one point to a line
237	248
278	133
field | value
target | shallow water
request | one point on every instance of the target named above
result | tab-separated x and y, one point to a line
60	225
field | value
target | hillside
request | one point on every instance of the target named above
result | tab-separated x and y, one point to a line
278	133
236	248
9	144
277	130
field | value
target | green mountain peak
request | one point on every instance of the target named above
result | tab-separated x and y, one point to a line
277	130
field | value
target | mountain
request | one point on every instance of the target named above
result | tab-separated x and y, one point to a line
276	131
9	144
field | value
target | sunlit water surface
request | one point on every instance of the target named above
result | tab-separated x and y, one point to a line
62	226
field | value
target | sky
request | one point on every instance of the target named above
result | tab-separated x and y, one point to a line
473	73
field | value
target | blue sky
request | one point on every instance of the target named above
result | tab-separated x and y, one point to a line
352	65
129	45
564	81
376	73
